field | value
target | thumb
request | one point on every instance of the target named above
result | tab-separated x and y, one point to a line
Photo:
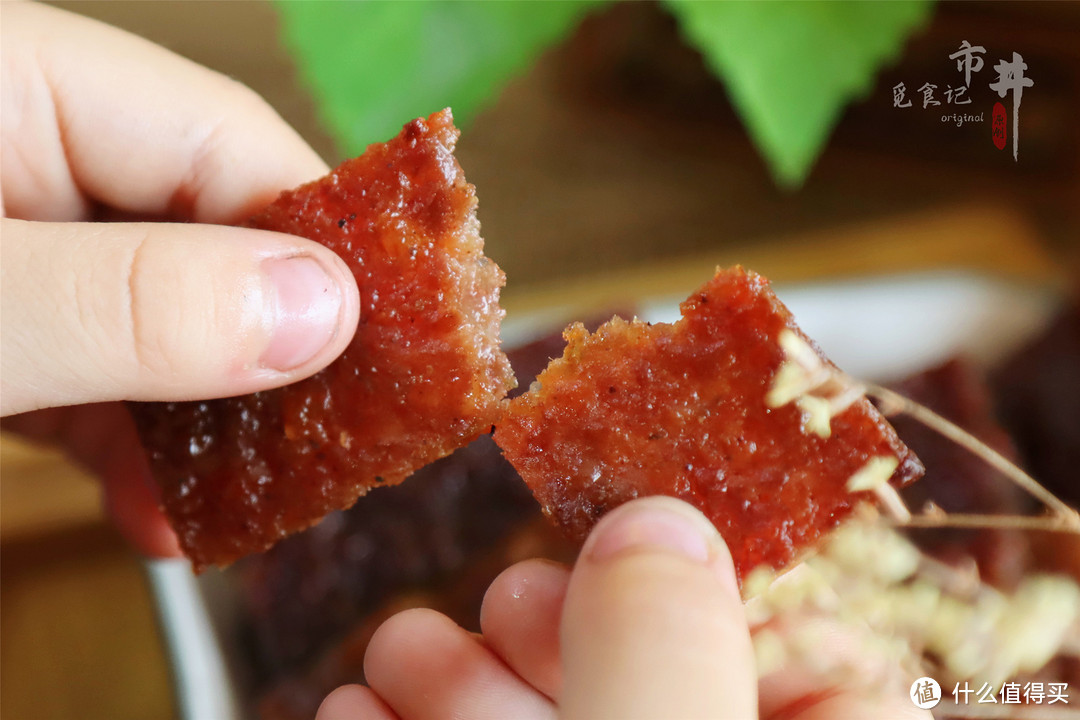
144	311
653	625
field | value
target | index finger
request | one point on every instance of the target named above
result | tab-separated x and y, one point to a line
94	115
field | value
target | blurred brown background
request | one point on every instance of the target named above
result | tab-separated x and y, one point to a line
616	160
619	147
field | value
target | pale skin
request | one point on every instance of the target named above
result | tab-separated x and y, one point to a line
170	303
647	624
99	124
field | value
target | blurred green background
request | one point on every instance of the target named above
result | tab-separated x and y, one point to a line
789	67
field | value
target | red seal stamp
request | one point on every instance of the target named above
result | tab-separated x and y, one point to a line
998	126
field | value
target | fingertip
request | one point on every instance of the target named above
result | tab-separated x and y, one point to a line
520	619
354	702
157	540
653	624
130	499
131	496
521	588
425	666
145	528
400	641
666	525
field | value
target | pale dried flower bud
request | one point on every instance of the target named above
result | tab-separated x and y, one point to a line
816	415
789	382
1034	624
875	473
758	581
818	389
769	651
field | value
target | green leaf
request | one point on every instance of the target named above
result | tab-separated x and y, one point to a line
791	67
375	65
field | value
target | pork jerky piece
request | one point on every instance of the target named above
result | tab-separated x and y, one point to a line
416	535
423	375
638	409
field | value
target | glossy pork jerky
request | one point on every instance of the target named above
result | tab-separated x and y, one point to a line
639	409
423	376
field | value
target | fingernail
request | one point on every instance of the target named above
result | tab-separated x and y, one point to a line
648	527
306	308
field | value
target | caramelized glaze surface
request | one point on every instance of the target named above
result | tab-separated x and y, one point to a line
423	376
637	409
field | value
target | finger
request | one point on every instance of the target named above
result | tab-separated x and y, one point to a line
102	439
354	702
520	620
845	675
141	311
849	705
424	666
92	114
132	498
653	625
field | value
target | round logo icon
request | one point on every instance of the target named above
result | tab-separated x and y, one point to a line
925	693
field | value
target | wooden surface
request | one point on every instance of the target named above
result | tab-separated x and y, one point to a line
594	189
42	492
79	634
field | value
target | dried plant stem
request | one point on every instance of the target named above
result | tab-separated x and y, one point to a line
893	403
947	708
893	504
1048	523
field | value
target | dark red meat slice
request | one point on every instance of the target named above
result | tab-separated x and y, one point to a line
417	535
423	376
638	409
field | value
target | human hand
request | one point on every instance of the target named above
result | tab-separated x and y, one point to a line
101	125
649	624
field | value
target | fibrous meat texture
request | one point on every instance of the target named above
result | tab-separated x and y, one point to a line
689	410
423	375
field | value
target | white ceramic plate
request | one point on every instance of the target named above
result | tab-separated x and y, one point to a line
877	329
